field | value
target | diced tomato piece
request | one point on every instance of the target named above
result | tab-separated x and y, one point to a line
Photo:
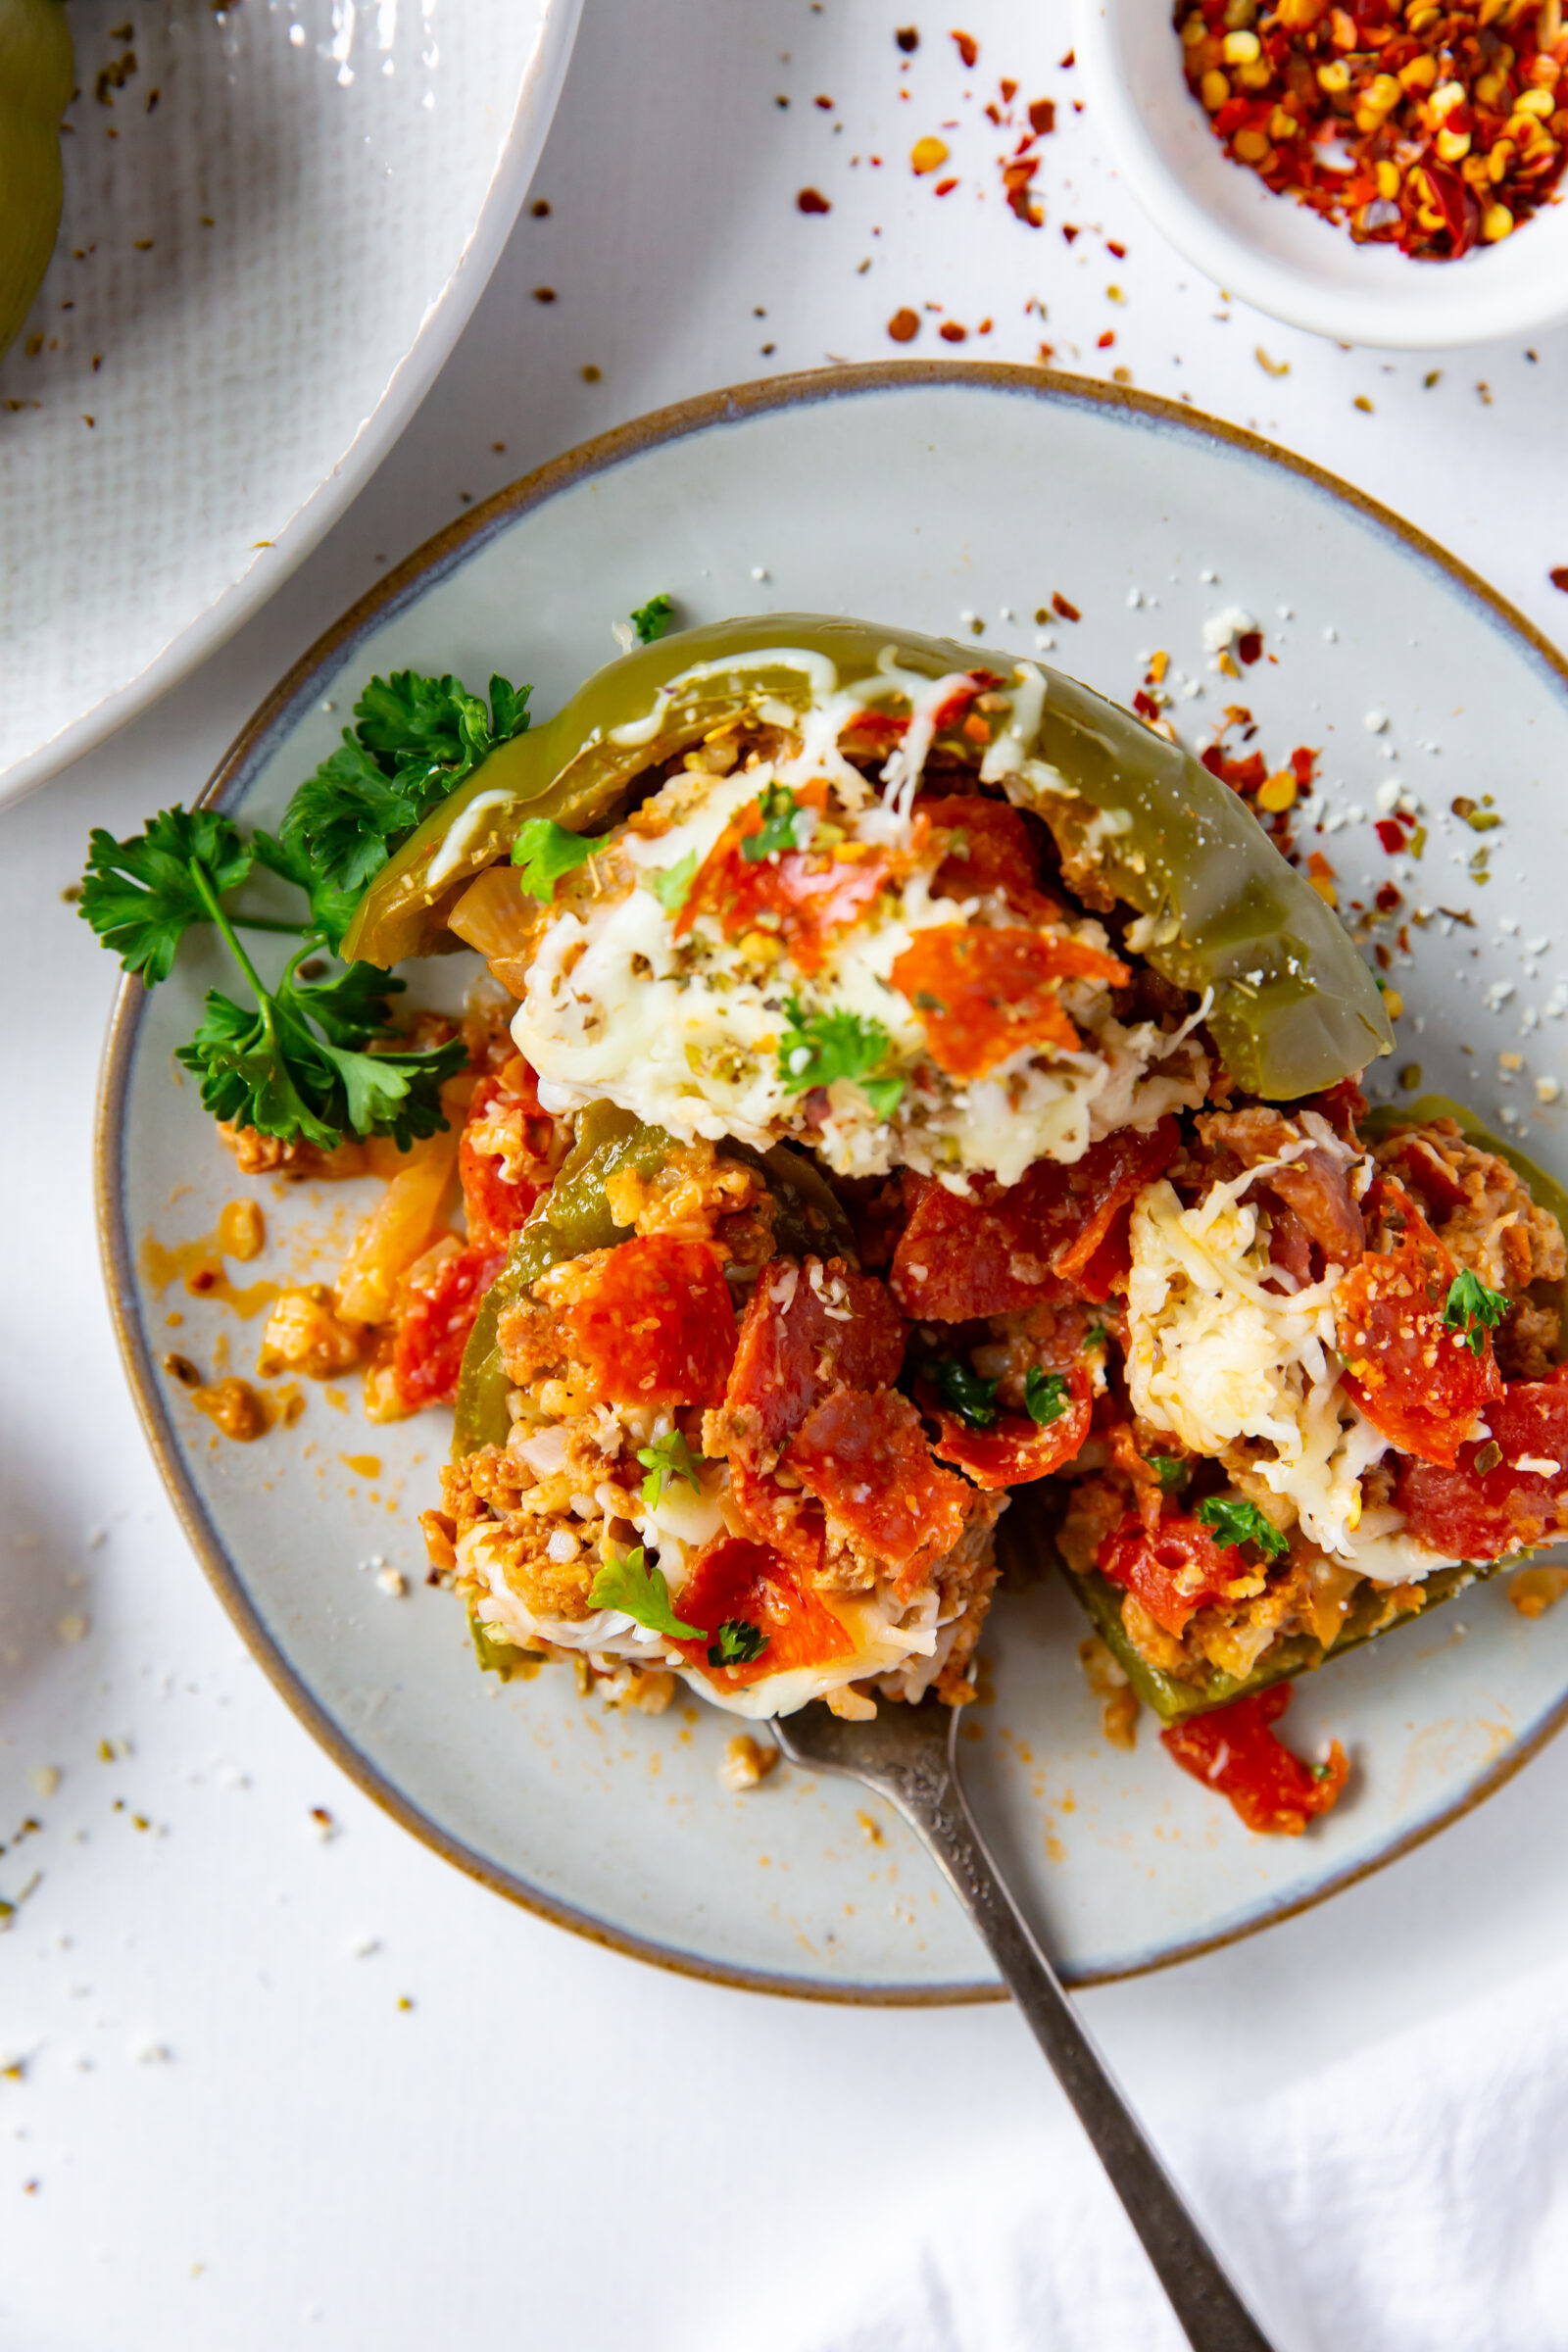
499	1190
808	898
1471	1514
1057	1225
655	1325
786	1517
865	1457
734	1578
1234	1750
982	995
986	847
810	1328
434	1326
1015	1450
1417	1380
1173	1569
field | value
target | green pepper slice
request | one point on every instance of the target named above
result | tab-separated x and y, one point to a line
1294	1007
574	1218
1173	1699
37	71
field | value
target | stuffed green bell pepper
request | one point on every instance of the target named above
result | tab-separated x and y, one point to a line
36	71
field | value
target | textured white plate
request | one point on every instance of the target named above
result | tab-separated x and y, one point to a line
255	283
920	495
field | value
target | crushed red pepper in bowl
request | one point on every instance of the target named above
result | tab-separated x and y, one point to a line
1433	128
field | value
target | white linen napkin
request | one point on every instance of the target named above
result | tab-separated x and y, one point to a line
1414	2199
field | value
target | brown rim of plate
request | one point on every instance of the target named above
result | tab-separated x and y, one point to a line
437	555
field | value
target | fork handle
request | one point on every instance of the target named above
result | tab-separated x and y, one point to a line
1205	2302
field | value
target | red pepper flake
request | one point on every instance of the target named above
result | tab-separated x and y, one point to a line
968	47
1120	251
1108	338
1068	62
903	326
1146	706
826	104
1042	117
952	332
1009	91
1390	835
544	293
1062	609
908	40
811	200
1069	232
944	187
984	327
1558	577
1388	896
1250	645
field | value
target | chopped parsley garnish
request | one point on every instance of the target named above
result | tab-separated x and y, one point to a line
1045	1396
1229	1520
671	885
666	1457
544	851
740	1644
819	1047
652	619
962	1391
294	1063
415	740
1472	1309
1095	1337
786	826
640	1594
1171	1471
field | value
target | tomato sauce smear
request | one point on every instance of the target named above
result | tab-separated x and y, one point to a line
982	995
1234	1749
734	1579
1415	1380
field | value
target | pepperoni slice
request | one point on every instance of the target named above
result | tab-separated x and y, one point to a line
1172	1569
1015	1450
807	898
866	1460
985	848
434	1326
1469	1512
734	1579
810	1327
982	995
1057	1225
1417	1380
651	1323
786	1517
1234	1750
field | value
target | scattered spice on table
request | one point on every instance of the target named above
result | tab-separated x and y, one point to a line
1433	129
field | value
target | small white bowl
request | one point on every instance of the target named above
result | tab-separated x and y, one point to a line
1274	252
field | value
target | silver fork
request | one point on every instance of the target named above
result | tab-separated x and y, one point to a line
909	1755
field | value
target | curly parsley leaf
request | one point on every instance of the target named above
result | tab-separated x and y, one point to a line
819	1047
142	896
786	826
1473	1310
962	1391
652	619
740	1642
248	1075
1171	1471
671	885
331	909
1229	1520
666	1457
414	738
544	851
640	1594
1045	1396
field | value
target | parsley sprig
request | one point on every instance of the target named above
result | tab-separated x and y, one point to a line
652	619
786	826
740	1642
1228	1521
544	851
640	1594
962	1391
1045	1396
310	1060
668	1458
1473	1310
819	1047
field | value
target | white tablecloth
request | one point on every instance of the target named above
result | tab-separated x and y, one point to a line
219	2126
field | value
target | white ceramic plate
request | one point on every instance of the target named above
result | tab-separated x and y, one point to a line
1276	253
920	495
255	285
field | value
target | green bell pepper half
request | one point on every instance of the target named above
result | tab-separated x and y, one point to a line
1172	1699
1294	1010
38	71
